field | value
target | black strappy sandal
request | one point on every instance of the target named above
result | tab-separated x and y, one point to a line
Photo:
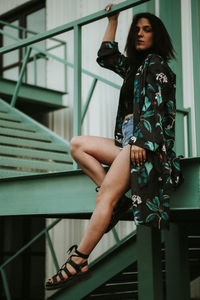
72	278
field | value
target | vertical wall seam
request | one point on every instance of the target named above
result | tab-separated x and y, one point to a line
187	65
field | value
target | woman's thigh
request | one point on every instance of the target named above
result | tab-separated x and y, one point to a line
102	149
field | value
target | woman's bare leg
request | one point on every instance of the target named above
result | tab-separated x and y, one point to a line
90	152
114	184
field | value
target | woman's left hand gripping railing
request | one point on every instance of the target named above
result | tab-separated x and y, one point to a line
55	261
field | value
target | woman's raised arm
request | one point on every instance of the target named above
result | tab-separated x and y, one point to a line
111	28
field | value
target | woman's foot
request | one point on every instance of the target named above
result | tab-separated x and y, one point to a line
75	268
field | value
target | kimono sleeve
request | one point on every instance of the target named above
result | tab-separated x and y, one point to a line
148	133
110	58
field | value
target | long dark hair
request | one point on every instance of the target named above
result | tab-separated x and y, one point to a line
162	44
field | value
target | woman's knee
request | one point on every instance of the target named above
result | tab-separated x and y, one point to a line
107	196
76	144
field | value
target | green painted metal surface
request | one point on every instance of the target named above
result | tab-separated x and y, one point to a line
33	144
5	283
19	126
69	26
20	251
187	196
28	151
93	85
149	264
21	75
31	153
170	13
50	98
10	117
195	6
10	173
73	192
25	135
107	267
40	53
33	164
16	115
177	263
77	82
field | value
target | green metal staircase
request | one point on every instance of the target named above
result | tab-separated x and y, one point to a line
115	274
26	147
145	264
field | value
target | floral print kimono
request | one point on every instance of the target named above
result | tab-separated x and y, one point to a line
154	109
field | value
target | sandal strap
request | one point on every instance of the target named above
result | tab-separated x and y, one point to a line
76	266
82	255
60	275
54	278
67	271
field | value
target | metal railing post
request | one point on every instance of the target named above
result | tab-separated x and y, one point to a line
77	80
18	85
94	82
5	284
65	67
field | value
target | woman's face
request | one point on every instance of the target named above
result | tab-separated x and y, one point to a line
144	35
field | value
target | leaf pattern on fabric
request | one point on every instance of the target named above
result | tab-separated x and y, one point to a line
148	125
154	109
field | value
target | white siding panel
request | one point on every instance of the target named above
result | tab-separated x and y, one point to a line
101	115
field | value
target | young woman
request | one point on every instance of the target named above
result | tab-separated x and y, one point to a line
141	153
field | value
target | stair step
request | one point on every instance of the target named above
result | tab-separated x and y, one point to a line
32	144
36	165
19	126
9	173
131	295
12	117
32	153
4	109
25	135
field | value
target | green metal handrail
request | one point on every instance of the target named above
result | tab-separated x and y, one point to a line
38	50
25	30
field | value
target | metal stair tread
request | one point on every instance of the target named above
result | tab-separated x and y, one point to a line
9	173
19	126
33	144
3	109
33	153
25	135
31	164
10	116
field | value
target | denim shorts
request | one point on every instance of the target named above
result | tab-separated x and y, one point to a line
127	130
